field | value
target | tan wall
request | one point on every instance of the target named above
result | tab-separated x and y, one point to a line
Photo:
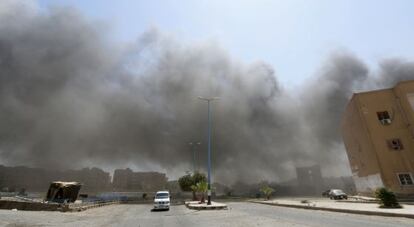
361	153
366	138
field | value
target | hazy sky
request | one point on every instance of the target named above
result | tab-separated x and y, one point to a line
115	84
294	36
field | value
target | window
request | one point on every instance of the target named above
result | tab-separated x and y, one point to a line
384	117
395	144
405	179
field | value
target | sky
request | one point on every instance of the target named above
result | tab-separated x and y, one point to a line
115	85
295	37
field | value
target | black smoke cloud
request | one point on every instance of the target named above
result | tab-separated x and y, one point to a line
73	97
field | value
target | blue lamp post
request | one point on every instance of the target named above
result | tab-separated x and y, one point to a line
208	100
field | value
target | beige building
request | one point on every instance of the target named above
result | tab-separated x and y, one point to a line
128	180
378	132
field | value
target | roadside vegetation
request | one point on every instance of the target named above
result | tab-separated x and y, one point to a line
387	198
267	191
196	183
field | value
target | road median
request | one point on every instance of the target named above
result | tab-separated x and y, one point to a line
195	205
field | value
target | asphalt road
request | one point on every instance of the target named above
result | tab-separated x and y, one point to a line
239	214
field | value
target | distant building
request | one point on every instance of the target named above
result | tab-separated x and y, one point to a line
127	180
310	180
38	179
92	179
345	183
378	132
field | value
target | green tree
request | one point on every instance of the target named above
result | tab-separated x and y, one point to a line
185	182
267	191
387	198
188	183
199	177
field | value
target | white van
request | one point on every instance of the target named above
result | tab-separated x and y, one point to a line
162	200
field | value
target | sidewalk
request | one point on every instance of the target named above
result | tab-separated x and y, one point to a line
338	206
195	205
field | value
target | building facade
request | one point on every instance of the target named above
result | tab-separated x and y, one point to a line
38	179
310	180
127	180
378	133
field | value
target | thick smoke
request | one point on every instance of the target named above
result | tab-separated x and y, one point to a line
71	97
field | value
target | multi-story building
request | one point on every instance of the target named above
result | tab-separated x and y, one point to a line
127	180
38	179
378	132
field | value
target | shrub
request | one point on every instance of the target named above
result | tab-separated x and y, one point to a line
267	191
387	198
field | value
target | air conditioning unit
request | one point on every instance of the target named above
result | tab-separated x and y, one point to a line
386	121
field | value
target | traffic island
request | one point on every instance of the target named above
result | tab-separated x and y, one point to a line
196	205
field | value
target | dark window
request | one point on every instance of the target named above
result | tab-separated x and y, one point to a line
384	117
405	179
395	144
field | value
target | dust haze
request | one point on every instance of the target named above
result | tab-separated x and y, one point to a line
72	96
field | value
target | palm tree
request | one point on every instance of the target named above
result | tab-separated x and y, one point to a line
267	191
200	187
194	189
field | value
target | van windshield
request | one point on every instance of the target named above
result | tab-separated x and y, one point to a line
162	195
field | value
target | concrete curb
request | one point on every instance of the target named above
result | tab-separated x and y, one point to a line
72	208
205	207
378	213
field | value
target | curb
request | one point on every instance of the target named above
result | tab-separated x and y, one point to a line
218	207
378	213
86	207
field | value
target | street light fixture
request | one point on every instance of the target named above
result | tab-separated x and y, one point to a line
193	144
208	100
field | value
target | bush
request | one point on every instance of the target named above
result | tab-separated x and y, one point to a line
387	198
267	191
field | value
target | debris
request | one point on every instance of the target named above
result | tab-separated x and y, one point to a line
63	192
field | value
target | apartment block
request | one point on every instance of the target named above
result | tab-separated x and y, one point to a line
378	133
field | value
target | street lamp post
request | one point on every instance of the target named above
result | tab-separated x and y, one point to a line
208	100
193	144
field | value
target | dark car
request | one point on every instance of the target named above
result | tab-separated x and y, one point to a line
337	194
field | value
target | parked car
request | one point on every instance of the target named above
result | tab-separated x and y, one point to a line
162	200
337	194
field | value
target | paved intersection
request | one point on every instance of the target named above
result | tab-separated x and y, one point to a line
239	214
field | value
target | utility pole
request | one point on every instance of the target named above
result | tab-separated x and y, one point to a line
208	100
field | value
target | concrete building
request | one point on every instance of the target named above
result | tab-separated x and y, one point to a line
378	132
310	180
127	180
38	179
